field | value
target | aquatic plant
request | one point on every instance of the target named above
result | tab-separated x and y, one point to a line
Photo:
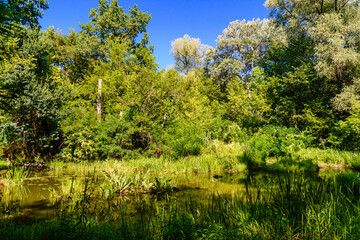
16	175
160	186
289	207
115	183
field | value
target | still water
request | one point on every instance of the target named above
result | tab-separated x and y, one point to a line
37	196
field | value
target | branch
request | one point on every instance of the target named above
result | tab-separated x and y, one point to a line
343	4
336	7
316	7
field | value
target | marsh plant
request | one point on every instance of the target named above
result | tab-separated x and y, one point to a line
115	183
160	186
289	207
16	175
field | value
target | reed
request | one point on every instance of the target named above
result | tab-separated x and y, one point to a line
16	175
283	208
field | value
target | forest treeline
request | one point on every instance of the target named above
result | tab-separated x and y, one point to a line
98	93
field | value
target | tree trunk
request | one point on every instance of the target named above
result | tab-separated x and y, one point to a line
164	120
99	99
121	114
247	84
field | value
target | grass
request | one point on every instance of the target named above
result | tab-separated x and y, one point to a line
328	157
217	157
107	200
287	208
4	165
16	175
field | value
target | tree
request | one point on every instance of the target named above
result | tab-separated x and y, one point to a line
188	53
331	28
16	12
337	56
31	98
305	12
240	48
75	53
109	22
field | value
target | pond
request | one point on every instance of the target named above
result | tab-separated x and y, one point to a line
42	193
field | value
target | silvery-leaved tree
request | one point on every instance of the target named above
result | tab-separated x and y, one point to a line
188	53
305	12
337	53
333	27
239	50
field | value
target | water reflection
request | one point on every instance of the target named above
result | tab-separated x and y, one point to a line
37	197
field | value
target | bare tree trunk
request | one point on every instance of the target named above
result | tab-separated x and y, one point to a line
247	85
99	99
121	114
163	124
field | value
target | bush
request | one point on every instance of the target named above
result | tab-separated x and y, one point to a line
90	139
273	141
227	131
346	134
184	139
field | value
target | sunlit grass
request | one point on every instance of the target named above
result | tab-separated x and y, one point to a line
16	175
217	157
328	157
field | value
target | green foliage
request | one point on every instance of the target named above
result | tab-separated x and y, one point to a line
227	131
346	134
293	164
314	79
351	184
113	139
239	49
248	112
115	183
179	227
31	98
298	96
160	187
109	22
16	12
298	70
184	138
274	142
74	53
16	175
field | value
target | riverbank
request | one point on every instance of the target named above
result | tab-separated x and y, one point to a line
219	157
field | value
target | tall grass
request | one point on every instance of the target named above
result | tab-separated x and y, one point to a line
287	208
16	175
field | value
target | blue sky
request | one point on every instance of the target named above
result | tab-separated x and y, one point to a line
171	19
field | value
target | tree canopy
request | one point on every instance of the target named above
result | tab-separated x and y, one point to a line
297	69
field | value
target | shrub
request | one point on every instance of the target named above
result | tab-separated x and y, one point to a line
227	131
185	139
273	141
